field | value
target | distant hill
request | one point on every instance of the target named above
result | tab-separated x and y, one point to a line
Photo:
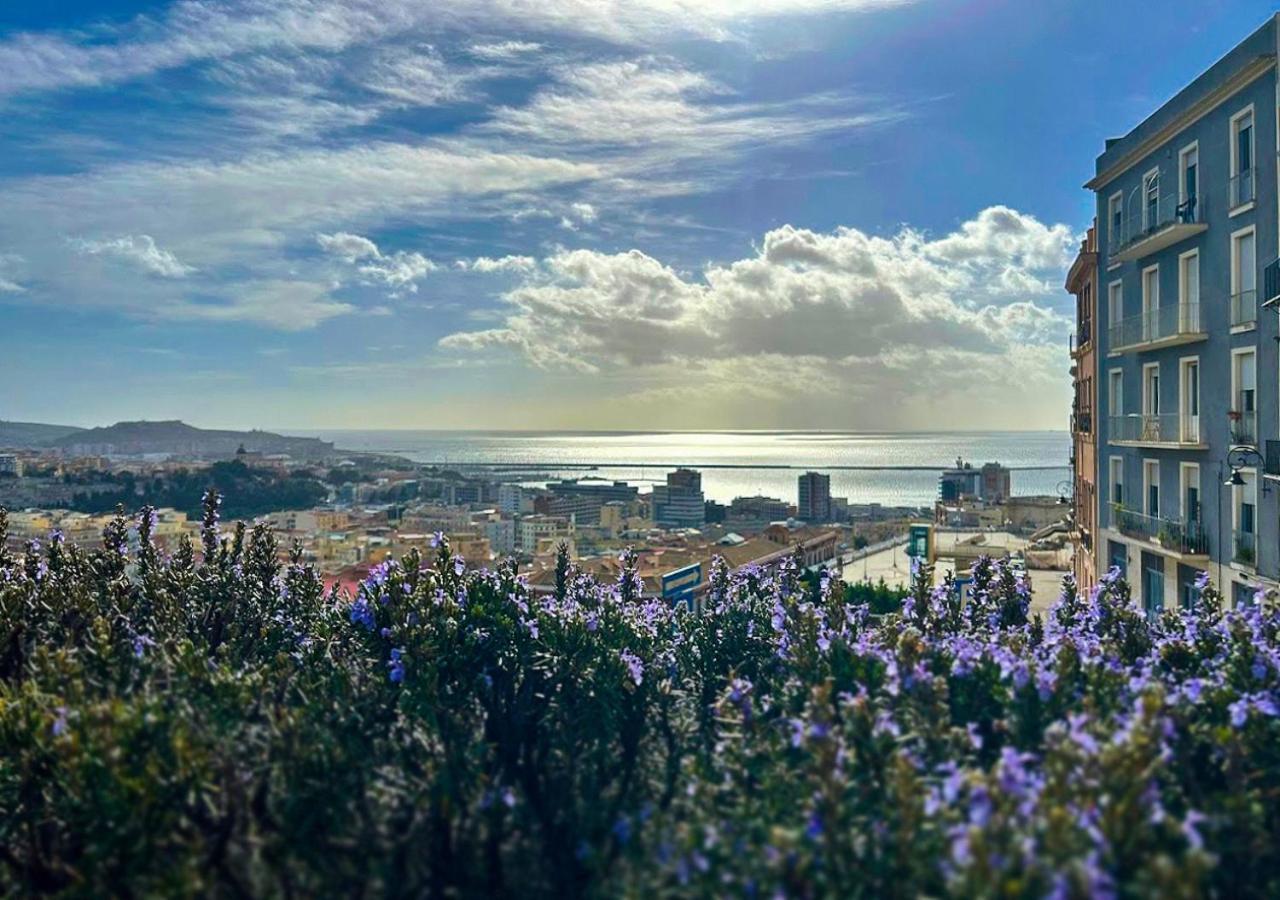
180	439
26	435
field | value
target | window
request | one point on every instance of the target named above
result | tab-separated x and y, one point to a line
1115	216
1116	396
1150	303
1244	278
1242	175
1244	518
1151	200
1189	393
1191	493
1117	480
1245	398
1189	291
1151	486
1151	389
1188	183
1115	304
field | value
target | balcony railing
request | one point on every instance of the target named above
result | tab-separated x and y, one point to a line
1174	535
1244	427
1149	227
1175	323
1082	422
1244	546
1140	428
1271	282
1242	188
1272	458
1244	309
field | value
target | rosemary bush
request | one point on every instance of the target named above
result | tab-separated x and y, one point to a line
212	723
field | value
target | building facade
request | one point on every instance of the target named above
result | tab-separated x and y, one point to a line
679	503
1082	282
1185	352
814	497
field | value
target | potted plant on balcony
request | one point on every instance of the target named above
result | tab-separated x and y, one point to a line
1244	553
1170	536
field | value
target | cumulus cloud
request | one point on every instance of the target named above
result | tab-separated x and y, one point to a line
138	250
401	269
845	309
487	264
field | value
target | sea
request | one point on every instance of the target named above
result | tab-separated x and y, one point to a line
899	469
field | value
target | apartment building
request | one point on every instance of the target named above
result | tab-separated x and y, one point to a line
1082	282
680	503
1184	344
814	496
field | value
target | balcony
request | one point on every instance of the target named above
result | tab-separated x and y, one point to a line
1156	226
1084	334
1165	326
1142	430
1244	547
1271	464
1271	283
1169	534
1244	310
1243	428
1082	422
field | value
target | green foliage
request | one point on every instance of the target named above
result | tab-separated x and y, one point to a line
253	491
215	724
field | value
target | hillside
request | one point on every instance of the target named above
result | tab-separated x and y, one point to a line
176	437
26	435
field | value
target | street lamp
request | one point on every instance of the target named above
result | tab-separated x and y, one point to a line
1237	459
1066	492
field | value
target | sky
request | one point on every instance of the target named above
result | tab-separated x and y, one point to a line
539	214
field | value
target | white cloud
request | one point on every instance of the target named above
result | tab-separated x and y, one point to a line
196	30
501	264
138	250
8	283
416	77
503	51
884	320
401	269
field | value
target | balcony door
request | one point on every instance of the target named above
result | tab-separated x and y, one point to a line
1150	303
1190	392
1189	292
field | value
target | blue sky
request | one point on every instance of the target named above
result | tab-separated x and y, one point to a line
566	213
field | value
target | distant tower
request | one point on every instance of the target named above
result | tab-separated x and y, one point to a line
815	497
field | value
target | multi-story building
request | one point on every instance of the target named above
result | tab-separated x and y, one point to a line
535	532
1082	281
11	464
583	499
679	503
814	497
1186	365
997	483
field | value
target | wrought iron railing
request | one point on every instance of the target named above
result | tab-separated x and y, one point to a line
1244	308
1243	427
1158	324
1242	188
1244	547
1146	219
1271	281
1154	429
1176	535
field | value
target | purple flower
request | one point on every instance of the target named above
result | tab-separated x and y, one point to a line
635	668
396	665
813	830
59	727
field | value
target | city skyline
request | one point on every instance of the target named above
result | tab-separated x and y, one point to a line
680	216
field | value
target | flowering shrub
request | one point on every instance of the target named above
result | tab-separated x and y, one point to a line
214	723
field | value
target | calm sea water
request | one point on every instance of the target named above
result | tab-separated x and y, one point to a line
886	468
